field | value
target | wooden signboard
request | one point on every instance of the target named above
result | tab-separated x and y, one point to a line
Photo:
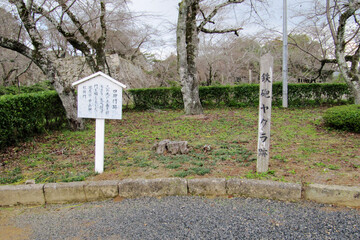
99	97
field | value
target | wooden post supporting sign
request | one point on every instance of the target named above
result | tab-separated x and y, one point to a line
265	95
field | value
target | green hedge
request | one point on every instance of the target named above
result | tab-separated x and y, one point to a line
147	98
14	90
25	115
343	117
244	95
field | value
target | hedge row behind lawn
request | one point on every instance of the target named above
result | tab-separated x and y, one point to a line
25	115
244	95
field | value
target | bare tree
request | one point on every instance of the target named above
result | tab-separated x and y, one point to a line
12	64
38	53
344	24
80	26
227	61
334	24
305	57
165	71
85	33
192	20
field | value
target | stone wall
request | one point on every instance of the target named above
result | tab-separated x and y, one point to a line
72	69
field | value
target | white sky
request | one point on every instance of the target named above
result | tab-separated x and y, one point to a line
165	8
165	12
162	14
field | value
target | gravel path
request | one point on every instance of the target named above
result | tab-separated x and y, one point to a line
191	218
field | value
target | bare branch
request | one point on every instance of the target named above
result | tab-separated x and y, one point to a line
25	70
29	24
76	22
16	46
342	24
70	37
214	12
19	33
330	22
356	32
214	31
203	15
102	39
63	12
138	47
302	49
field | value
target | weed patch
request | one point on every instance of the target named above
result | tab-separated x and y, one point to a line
265	175
12	176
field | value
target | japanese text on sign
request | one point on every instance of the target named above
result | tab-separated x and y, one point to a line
99	100
265	94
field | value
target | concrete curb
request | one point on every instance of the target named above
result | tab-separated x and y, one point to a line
101	190
64	192
333	194
264	189
39	194
207	187
152	187
22	195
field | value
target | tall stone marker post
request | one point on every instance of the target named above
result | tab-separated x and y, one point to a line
266	79
99	96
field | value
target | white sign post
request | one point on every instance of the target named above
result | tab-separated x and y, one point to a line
99	97
99	145
266	78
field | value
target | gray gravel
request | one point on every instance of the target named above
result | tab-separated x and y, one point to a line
192	218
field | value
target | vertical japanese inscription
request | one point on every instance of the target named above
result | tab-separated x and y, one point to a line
115	99
99	99
265	95
90	100
101	102
107	100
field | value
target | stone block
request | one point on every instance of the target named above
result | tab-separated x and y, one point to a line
22	194
161	147
152	187
65	192
207	187
334	194
173	147
264	189
99	190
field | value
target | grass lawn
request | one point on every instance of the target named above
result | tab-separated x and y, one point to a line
302	150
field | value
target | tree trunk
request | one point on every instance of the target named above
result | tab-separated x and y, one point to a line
66	93
351	78
350	74
187	50
356	92
68	98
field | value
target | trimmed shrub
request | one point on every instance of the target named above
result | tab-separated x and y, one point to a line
149	98
343	117
25	115
244	95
